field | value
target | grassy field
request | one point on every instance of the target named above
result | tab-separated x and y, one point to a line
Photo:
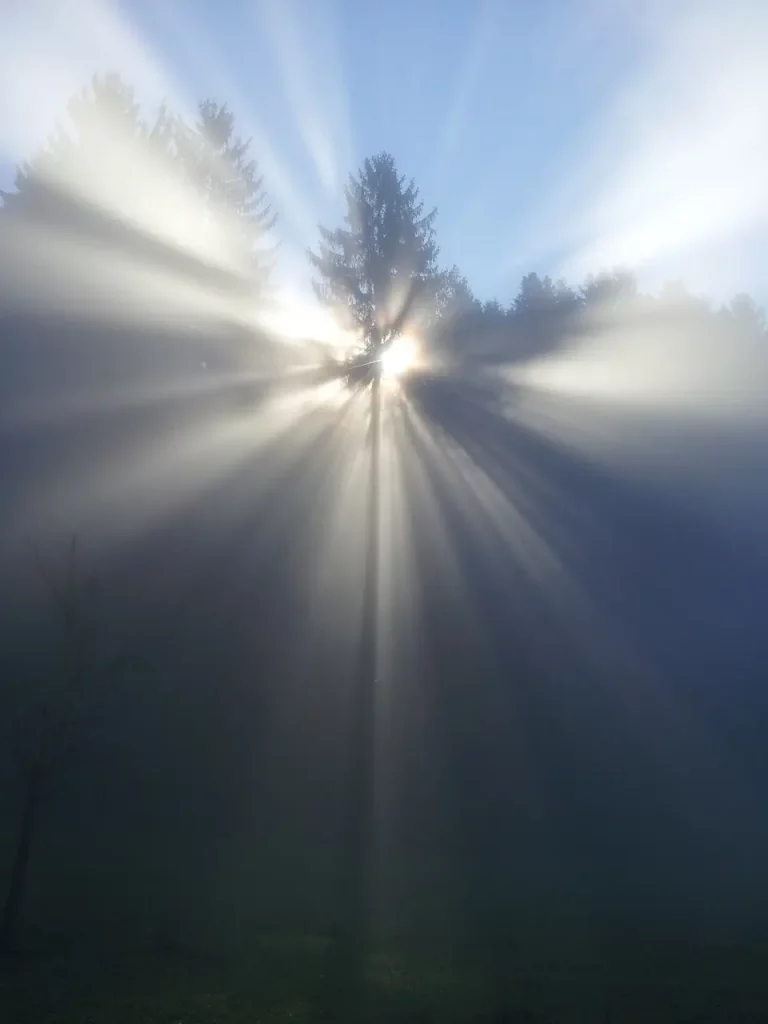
286	978
154	929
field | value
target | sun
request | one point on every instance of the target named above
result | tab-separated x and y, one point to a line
398	358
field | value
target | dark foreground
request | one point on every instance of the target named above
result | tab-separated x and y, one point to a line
283	978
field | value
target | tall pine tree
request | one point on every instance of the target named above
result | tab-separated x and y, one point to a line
226	179
379	273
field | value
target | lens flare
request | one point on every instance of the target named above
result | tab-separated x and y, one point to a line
398	358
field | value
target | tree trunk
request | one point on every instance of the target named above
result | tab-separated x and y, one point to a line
344	996
12	909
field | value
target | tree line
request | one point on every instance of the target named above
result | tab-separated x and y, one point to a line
379	271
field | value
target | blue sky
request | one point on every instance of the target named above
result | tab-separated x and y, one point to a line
561	136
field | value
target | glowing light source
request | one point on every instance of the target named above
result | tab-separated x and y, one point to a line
398	358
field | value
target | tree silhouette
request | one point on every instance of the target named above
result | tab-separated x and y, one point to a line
141	196
454	296
95	157
605	293
746	316
456	311
190	191
51	711
234	201
379	273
